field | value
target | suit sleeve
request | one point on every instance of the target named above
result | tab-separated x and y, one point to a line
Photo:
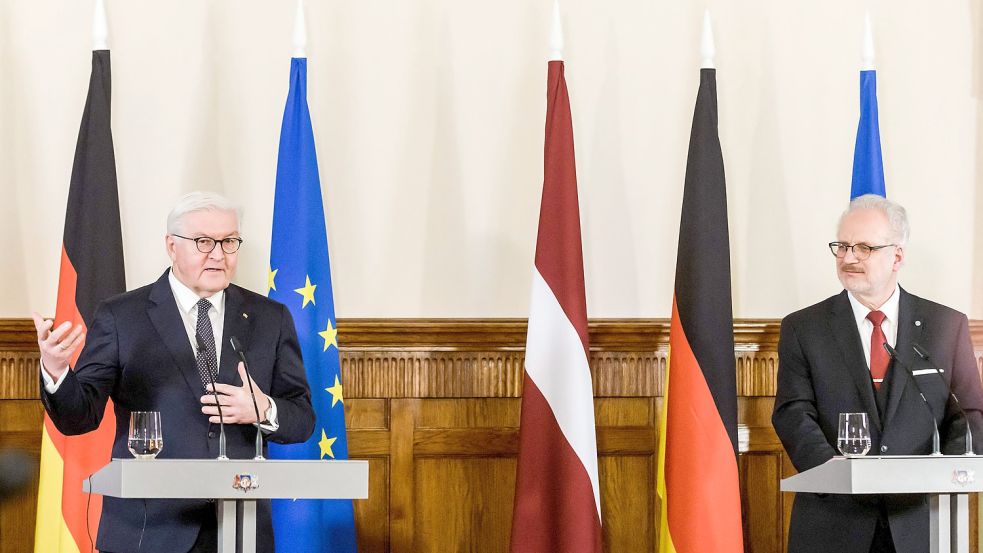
795	417
965	385
79	403
289	387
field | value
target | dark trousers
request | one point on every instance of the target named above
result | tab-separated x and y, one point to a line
207	541
883	542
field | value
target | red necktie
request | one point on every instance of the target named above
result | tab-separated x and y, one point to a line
879	358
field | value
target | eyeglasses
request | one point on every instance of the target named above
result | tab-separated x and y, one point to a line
860	251
207	244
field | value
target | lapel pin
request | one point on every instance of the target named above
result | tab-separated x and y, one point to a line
246	316
918	323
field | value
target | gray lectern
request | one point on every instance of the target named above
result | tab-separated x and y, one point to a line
232	483
946	479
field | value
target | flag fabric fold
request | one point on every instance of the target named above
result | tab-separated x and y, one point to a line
698	487
557	498
868	165
91	271
300	278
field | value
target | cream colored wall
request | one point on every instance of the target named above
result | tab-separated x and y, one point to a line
429	124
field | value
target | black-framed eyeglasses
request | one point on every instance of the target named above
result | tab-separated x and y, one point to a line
206	244
860	251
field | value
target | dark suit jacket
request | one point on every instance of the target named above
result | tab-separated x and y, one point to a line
822	372
137	352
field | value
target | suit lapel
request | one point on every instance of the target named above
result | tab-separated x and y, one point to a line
166	318
239	324
843	326
908	333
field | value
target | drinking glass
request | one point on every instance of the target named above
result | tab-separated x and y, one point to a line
853	437
145	439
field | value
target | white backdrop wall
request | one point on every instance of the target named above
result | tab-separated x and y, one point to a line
429	123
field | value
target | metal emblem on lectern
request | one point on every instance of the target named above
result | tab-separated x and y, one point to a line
963	477
245	482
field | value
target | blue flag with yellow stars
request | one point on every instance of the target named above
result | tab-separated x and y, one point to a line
868	166
300	278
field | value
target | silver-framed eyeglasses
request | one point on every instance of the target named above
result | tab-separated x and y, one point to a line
860	251
206	244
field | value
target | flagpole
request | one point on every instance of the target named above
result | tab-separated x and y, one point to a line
707	48
867	49
556	34
100	29
300	32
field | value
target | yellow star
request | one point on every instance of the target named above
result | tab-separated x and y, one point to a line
335	392
326	444
330	336
271	279
308	292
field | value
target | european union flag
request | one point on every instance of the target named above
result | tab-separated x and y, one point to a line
868	167
300	277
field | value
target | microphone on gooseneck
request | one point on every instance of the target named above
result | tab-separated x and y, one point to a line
936	442
923	353
237	347
221	423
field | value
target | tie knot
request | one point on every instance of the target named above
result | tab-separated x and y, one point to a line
203	305
876	317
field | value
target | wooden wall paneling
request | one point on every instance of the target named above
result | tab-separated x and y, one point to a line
369	438
627	443
433	405
465	473
761	501
402	508
20	428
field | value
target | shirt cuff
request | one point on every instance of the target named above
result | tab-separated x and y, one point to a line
273	423
51	385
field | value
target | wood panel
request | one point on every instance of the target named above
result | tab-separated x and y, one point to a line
433	405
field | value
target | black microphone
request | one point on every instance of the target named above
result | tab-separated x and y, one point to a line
936	441
221	423
237	347
923	353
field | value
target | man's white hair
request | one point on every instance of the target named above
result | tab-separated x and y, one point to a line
200	201
896	215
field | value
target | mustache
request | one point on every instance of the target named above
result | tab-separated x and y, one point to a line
852	268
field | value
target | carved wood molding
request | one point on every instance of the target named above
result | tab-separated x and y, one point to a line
455	358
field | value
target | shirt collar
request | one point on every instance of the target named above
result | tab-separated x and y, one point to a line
889	308
187	299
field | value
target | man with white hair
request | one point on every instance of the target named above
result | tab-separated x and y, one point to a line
157	348
833	359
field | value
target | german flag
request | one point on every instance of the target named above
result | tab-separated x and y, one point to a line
91	271
697	480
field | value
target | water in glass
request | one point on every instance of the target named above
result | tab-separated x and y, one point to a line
146	439
853	435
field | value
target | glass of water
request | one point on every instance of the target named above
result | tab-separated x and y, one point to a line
145	438
853	437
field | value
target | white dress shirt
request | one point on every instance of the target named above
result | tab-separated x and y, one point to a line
187	305
866	328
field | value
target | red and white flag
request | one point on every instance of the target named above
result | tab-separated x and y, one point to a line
557	500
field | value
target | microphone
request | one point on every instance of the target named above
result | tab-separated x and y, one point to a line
923	353
237	347
221	422
936	442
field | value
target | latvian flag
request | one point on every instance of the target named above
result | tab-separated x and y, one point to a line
557	502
